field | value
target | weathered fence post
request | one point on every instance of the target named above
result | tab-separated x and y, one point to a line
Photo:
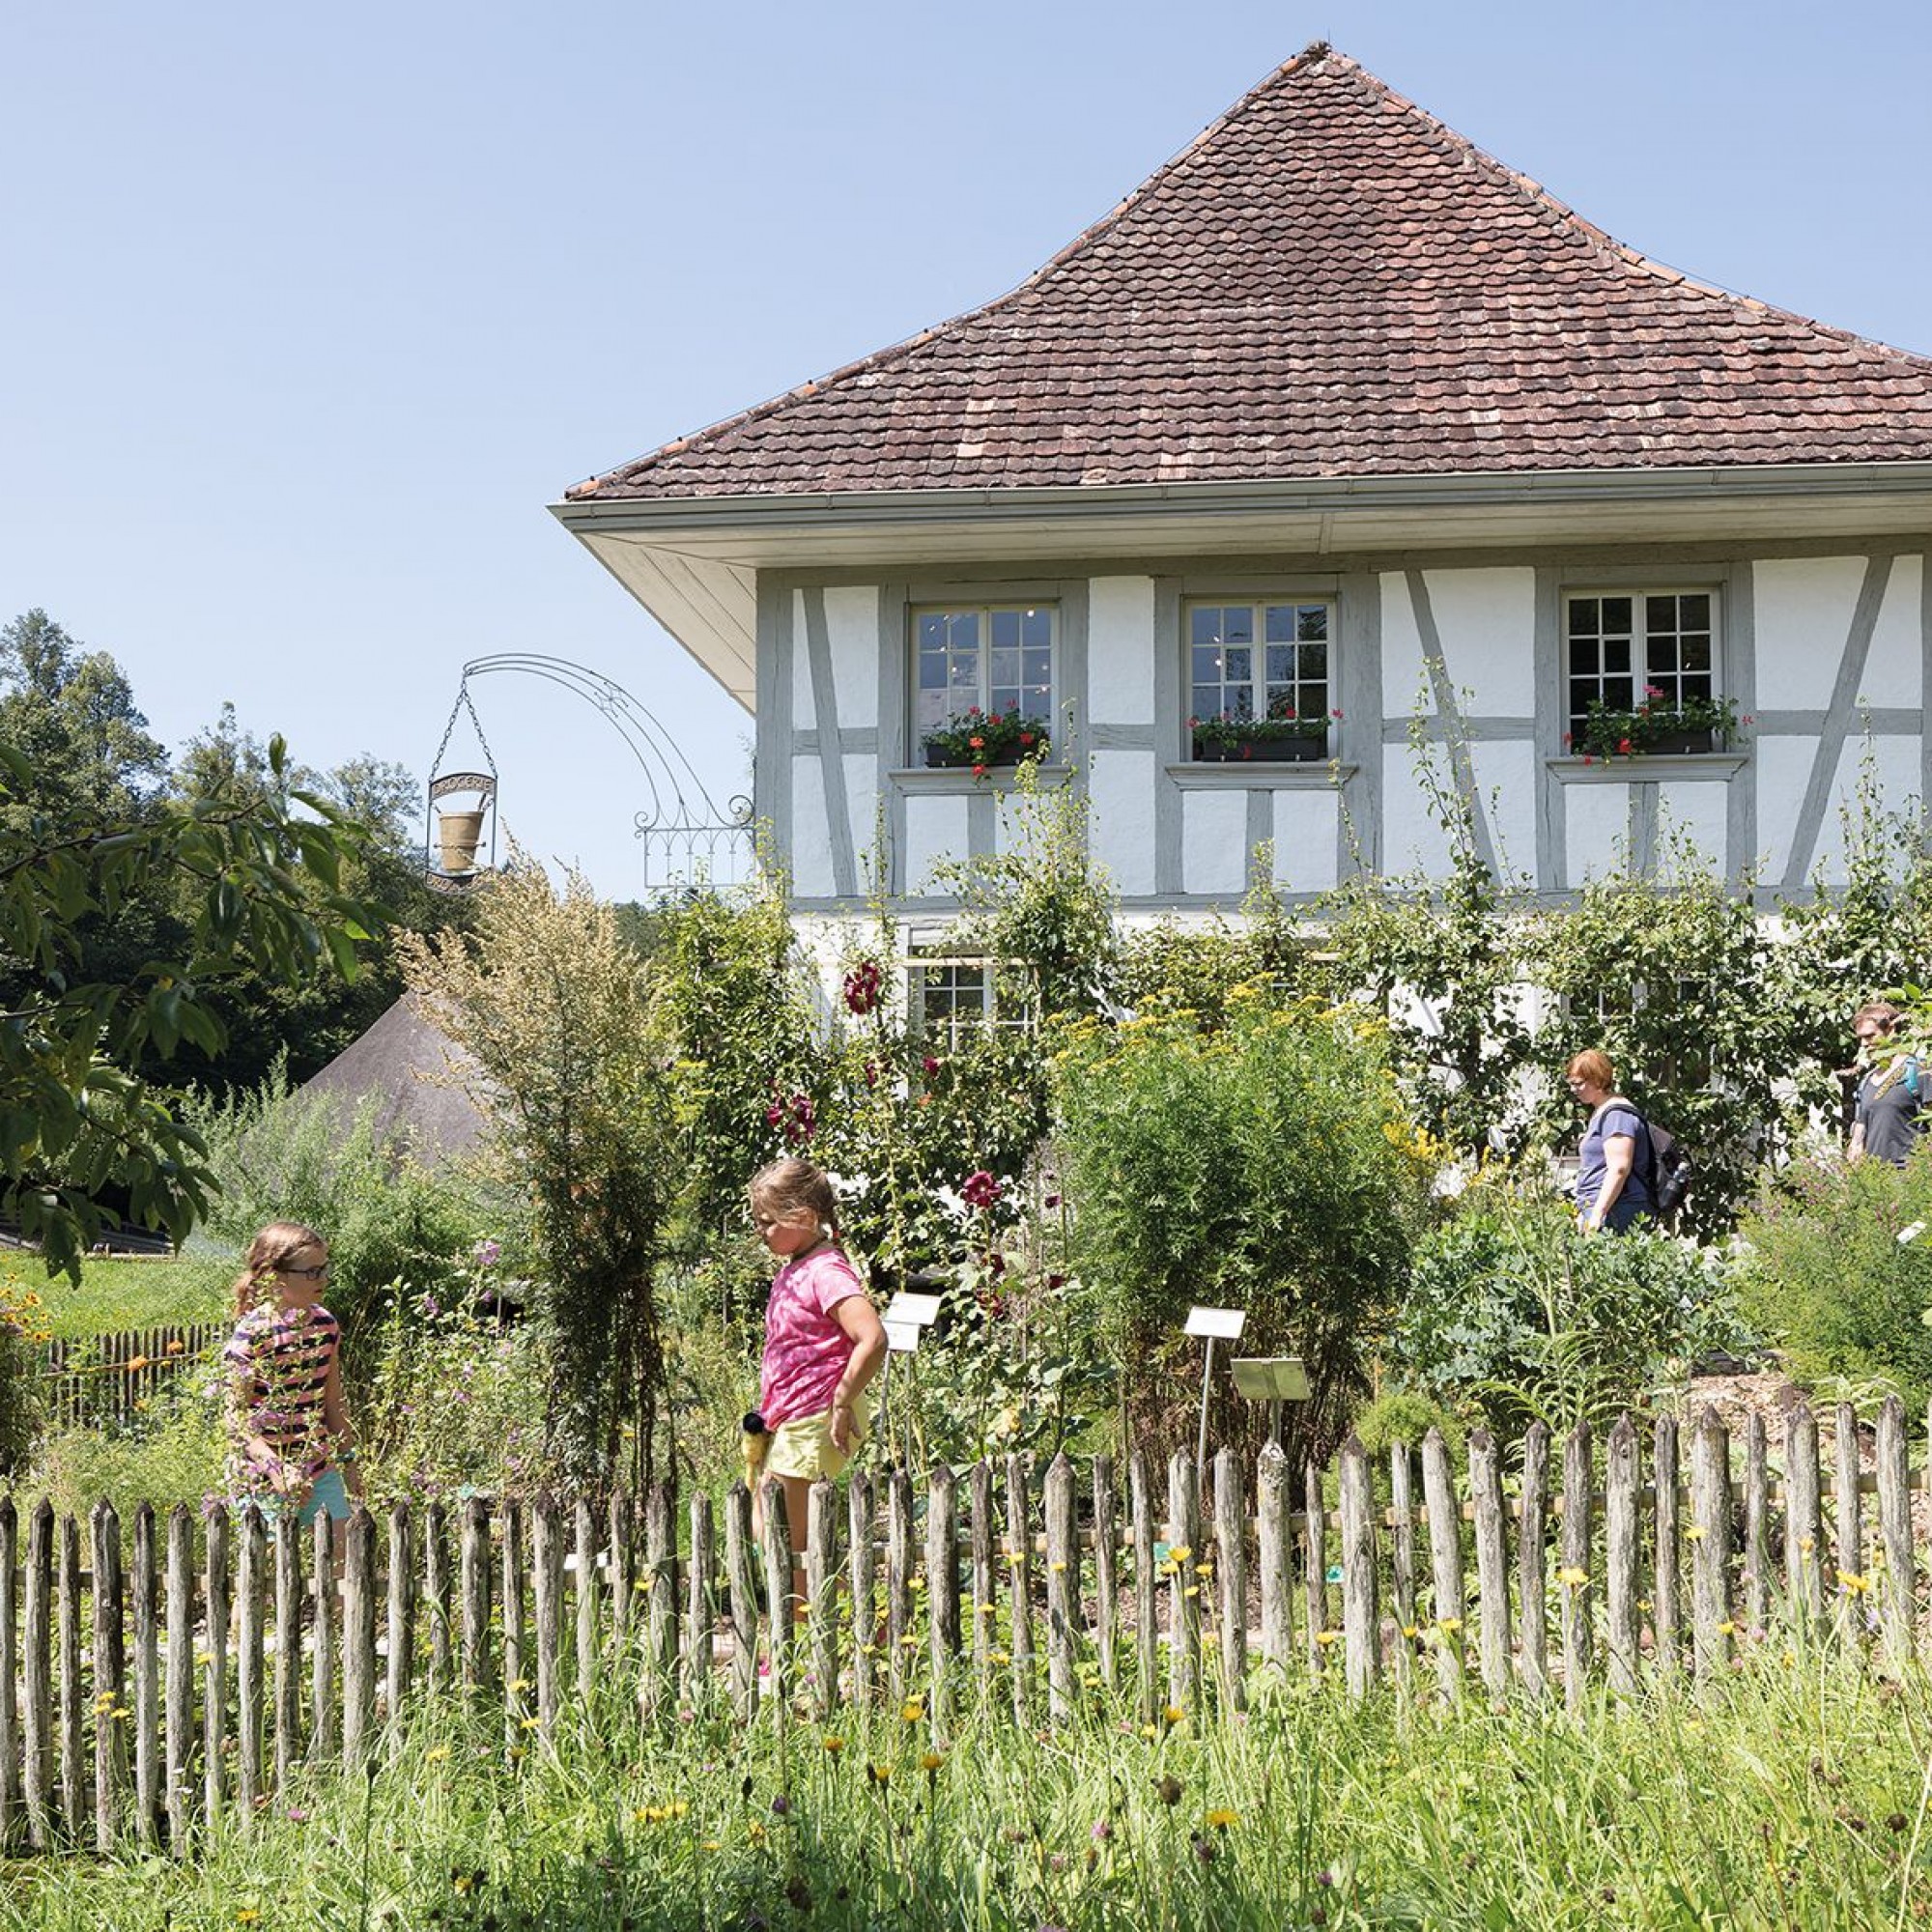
777	1551
110	1677
287	1690
1620	1556
1402	1556
1577	1592
1492	1587
1274	1547
1711	1529
147	1581
1667	1588
400	1621
71	1696
10	1638
1063	1563
358	1635
941	1589
438	1599
1361	1615
214	1684
1146	1605
1183	1554
1316	1545
547	1556
1019	1570
899	1637
620	1519
1757	1524
473	1566
516	1651
37	1675
1106	1566
1445	1560
740	1573
864	1561
1803	1525
1532	1560
1847	1505
583	1565
322	1729
251	1592
1231	1572
701	1606
982	1538
660	1592
821	1595
179	1717
1894	1517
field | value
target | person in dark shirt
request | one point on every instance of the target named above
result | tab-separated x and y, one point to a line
1614	1161
1889	1114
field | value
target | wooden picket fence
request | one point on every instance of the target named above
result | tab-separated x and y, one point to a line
113	1378
196	1669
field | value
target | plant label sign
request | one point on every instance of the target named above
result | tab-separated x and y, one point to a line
1218	1325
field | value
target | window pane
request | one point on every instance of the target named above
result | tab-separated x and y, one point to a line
1037	668
1280	664
1278	623
1004	669
1005	629
1206	702
1694	610
1038	628
963	631
1659	614
931	631
1240	666
1207	664
1313	623
1617	614
1315	661
1206	624
1617	657
1583	657
1696	653
1584	621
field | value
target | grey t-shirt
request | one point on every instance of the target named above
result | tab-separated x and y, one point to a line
1890	1098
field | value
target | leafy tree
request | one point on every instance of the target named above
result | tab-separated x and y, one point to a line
83	1130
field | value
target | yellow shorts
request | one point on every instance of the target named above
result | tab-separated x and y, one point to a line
803	1446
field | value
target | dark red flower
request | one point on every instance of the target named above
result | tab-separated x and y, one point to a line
863	984
980	1189
928	1065
978	771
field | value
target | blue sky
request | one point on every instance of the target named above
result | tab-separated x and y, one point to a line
313	312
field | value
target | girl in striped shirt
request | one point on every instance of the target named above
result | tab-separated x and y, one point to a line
291	1443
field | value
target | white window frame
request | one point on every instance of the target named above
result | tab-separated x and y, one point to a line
971	1003
953	696
1646	661
1259	684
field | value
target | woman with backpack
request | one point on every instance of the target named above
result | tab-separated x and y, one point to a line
1613	1166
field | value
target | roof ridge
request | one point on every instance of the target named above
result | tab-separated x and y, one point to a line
1315	52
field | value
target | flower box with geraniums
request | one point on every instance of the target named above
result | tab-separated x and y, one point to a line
1279	738
982	739
1657	728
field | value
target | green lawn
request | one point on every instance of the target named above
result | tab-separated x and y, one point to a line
115	1293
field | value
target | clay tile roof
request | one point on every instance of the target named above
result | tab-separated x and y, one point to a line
1328	282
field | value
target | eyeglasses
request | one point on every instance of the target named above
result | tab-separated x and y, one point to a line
306	1274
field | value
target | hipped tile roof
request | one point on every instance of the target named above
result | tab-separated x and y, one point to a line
1327	283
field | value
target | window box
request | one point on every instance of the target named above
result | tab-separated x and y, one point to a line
1680	741
948	758
1300	747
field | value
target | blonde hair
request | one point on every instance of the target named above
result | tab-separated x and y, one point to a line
268	1253
1594	1066
789	1187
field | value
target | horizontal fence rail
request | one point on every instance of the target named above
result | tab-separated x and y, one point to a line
114	1378
156	1674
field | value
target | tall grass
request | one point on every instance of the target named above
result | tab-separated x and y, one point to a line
1792	1795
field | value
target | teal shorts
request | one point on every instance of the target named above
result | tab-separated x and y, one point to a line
326	1496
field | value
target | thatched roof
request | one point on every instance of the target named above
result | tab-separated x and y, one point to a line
423	1082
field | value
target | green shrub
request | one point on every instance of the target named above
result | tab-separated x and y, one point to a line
1834	1270
1405	1417
173	1456
1266	1166
1510	1312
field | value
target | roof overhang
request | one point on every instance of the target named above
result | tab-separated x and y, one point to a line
693	561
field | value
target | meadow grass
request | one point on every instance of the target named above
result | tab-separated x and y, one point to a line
1793	1795
115	1293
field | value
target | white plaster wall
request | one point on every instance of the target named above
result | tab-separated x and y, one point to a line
1802	610
1895	669
1305	830
1506	782
810	830
1214	843
852	628
1122	665
1597	817
861	808
1412	840
935	828
1485	621
804	709
1405	678
1699	809
1120	794
1783	768
1896	762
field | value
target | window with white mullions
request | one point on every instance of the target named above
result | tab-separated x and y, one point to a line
1629	646
1260	660
953	998
995	657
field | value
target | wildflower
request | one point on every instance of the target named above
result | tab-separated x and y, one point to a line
1175	1715
914	1710
978	771
295	1815
756	1832
1220	1821
1326	1638
981	1189
531	1723
1204	1849
1850	1581
863	985
1169	1789
780	1806
1696	1532
834	1746
1448	1625
1571	1577
437	1753
931	1762
247	1915
878	1774
1727	1628
1102	1830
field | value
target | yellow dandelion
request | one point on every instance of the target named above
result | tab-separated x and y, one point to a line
437	1753
1221	1821
1852	1583
1696	1532
914	1711
1573	1578
1326	1638
1448	1625
835	1745
756	1832
879	1774
1057	1566
931	1762
1727	1628
531	1723
1180	1554
247	1915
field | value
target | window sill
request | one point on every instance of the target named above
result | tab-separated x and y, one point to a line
1648	768
960	778
1262	774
